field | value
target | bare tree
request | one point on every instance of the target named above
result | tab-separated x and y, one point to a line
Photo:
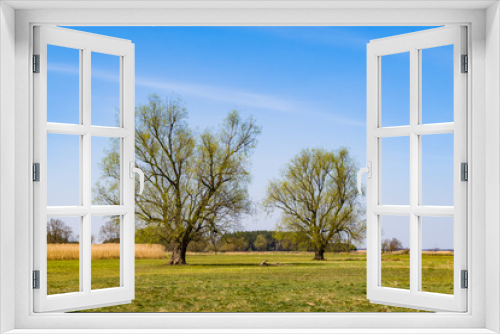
395	245
110	232
58	232
318	199
385	245
391	245
194	184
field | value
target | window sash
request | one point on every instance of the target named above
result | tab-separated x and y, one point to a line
86	43
413	43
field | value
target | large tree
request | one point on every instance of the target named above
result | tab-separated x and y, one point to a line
317	197
195	184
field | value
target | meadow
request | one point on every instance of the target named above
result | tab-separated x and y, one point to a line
235	282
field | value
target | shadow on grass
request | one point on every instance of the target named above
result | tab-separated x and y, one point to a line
233	264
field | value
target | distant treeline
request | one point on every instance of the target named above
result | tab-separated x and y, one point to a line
58	232
243	241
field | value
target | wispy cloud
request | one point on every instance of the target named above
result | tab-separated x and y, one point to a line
221	94
236	97
335	118
71	69
210	92
63	68
248	99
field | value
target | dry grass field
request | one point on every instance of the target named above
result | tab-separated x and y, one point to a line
153	251
103	251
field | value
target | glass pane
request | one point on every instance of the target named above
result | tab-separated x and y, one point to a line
395	247
395	170
105	252
437	169
63	170
105	89
395	89
63	255
437	254
63	85
437	84
105	171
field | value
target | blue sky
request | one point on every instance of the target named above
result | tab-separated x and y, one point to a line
306	86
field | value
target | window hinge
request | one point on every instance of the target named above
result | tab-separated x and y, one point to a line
36	279
464	171
36	172
36	63
465	279
465	64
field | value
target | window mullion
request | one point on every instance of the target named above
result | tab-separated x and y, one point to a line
85	164
418	106
414	170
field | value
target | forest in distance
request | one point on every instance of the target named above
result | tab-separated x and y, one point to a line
58	232
241	241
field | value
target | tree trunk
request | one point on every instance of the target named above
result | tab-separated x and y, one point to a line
319	253
178	255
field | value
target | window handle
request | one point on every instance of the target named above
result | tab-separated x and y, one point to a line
368	171
134	170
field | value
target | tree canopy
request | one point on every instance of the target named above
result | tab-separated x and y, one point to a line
317	197
59	233
195	184
391	245
109	232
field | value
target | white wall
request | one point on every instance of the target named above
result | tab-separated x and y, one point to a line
492	166
7	191
23	219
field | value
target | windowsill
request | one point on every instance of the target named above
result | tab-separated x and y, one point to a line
253	331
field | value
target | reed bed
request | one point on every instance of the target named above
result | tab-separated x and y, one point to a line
154	251
150	251
63	251
103	251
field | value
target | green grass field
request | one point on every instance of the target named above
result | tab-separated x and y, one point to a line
236	282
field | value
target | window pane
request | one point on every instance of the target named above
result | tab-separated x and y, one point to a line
437	254
437	169
105	89
105	171
63	255
63	85
105	252
437	84
395	247
395	89
63	170
395	171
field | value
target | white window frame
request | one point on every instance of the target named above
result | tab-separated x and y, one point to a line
414	43
86	44
483	21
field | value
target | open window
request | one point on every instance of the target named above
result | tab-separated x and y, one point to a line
69	130
397	154
17	18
